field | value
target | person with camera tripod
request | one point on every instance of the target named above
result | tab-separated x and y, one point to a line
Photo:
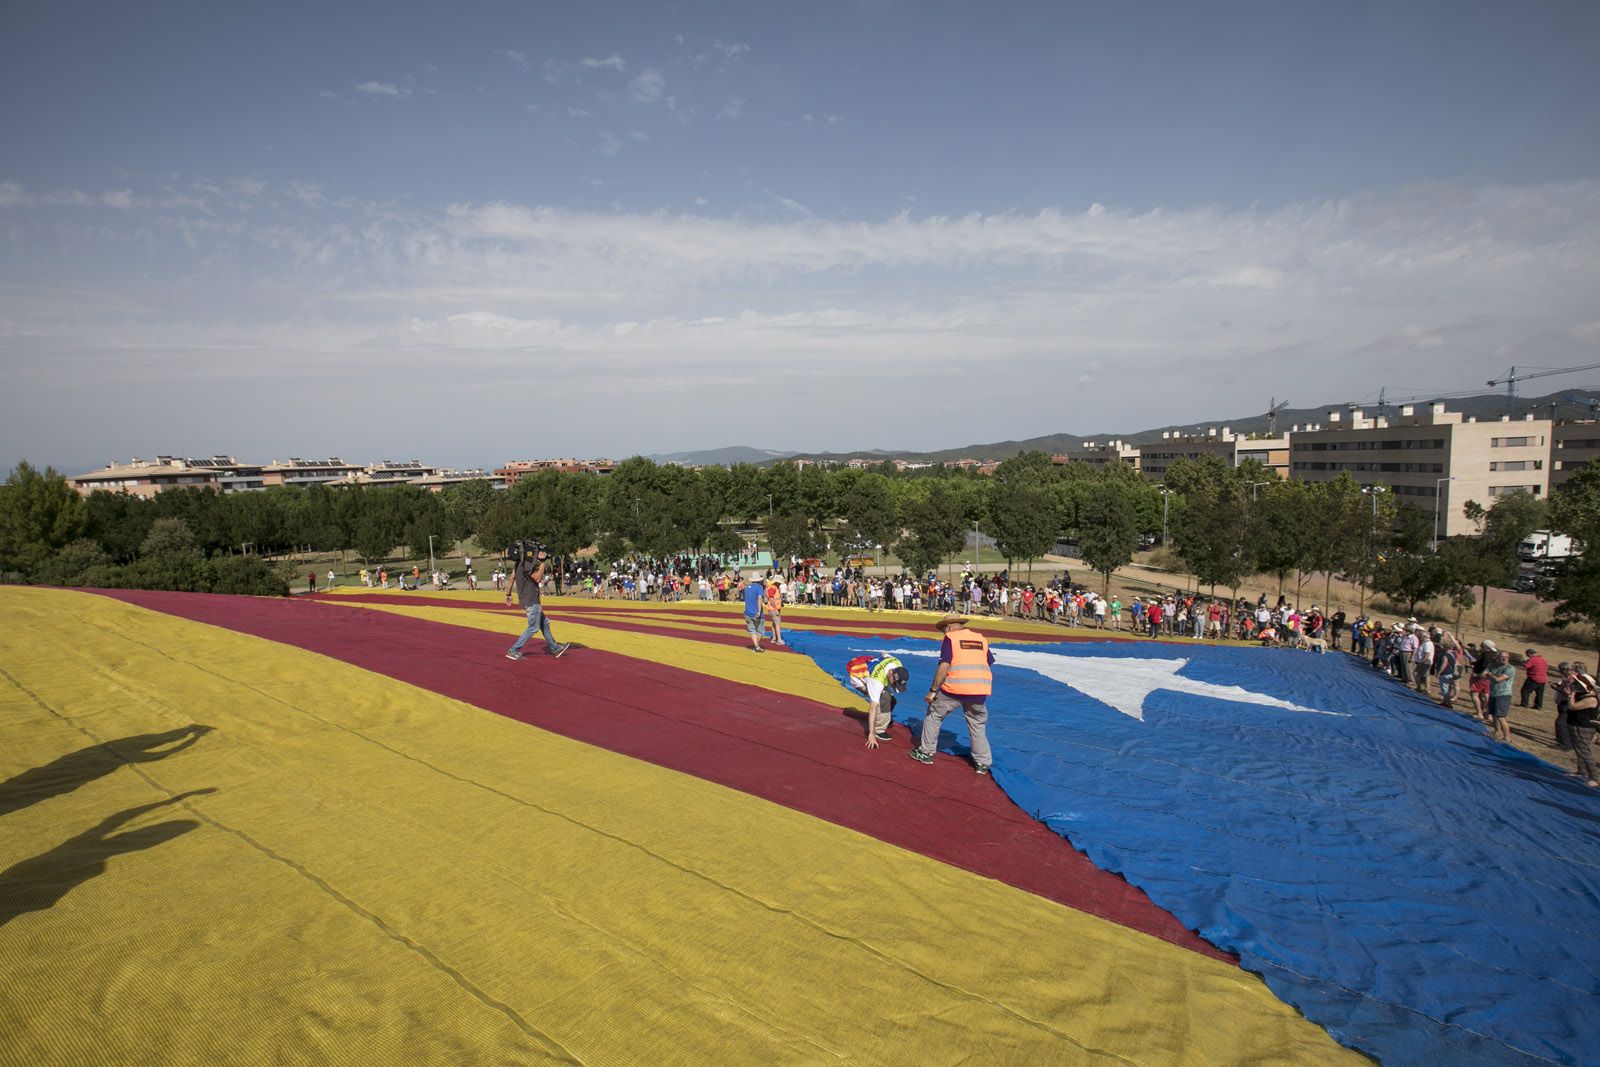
527	574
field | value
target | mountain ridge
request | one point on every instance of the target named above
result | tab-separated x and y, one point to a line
1569	403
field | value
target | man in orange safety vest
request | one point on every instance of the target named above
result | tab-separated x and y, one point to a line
964	680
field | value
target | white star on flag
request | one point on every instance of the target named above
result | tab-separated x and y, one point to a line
1125	683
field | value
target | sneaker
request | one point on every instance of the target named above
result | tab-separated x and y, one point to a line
883	736
921	756
983	769
513	655
560	650
757	648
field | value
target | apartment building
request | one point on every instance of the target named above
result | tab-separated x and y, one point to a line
1156	457
1431	457
1572	446
519	467
1099	454
297	471
147	477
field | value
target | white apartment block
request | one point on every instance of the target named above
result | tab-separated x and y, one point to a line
1433	458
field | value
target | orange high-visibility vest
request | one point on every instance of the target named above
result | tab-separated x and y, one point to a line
969	677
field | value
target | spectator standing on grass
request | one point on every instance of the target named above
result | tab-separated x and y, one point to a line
1501	675
1583	705
1561	693
1449	664
1336	625
1536	673
1483	657
1153	614
1422	660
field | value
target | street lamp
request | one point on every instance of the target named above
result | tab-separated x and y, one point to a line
1165	492
431	567
1437	482
1374	491
1254	486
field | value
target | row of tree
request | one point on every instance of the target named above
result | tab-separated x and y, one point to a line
1225	524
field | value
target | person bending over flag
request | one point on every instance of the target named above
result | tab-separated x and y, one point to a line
880	678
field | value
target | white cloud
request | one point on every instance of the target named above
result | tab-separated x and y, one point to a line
648	87
1162	316
379	90
609	143
732	109
579	113
327	94
519	58
611	62
809	119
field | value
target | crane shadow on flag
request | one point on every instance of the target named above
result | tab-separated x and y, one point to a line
39	883
76	769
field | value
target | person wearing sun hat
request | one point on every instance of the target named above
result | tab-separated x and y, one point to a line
963	680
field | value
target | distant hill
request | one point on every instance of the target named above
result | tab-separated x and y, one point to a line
1570	403
722	457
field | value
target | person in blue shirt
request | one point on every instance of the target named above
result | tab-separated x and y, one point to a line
755	604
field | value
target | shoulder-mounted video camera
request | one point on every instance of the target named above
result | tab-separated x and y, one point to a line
525	551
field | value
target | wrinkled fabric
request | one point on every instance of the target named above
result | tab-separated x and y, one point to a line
1426	894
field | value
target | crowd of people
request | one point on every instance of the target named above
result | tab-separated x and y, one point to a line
1429	659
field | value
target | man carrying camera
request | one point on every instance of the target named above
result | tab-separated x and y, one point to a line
527	573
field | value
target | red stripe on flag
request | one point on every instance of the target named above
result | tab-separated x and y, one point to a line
800	753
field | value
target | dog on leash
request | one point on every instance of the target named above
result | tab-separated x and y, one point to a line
1313	644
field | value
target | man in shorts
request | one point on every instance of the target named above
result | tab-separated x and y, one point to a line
1501	675
880	678
754	606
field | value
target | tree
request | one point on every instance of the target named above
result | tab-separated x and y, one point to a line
793	535
39	514
868	507
1411	577
1211	534
1575	510
1108	531
118	523
466	503
934	526
1501	528
1290	516
1022	517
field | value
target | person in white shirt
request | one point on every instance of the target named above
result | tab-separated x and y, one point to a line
1422	661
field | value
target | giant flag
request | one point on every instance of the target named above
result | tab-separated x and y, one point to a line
1426	894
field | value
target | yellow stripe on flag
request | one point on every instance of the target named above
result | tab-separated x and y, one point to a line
365	872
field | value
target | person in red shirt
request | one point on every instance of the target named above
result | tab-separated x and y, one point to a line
1537	672
1154	615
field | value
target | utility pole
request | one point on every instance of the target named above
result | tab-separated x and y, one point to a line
1165	492
431	567
1373	491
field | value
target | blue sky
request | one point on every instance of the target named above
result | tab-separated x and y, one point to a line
363	228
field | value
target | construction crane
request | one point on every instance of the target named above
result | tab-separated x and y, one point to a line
1512	378
1384	399
1273	407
